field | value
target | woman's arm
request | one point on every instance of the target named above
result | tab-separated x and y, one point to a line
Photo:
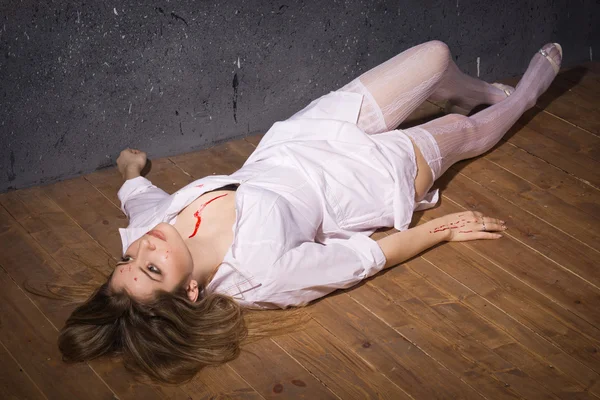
138	195
456	227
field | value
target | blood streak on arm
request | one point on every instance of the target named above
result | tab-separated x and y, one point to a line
197	214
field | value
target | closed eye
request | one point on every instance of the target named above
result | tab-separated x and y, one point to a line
148	275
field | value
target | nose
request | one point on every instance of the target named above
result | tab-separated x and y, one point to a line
146	245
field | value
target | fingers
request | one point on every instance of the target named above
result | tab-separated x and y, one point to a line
488	235
133	151
481	235
476	221
473	225
492	224
476	235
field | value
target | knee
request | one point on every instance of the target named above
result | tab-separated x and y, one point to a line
439	47
441	52
462	122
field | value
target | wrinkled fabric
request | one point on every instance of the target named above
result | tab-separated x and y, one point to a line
310	195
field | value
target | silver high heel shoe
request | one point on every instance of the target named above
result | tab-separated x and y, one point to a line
554	64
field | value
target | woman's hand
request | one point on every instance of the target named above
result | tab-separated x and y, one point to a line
468	225
131	162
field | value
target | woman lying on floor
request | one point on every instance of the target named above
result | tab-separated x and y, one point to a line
293	224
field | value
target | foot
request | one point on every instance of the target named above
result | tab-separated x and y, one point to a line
505	88
553	53
542	70
497	93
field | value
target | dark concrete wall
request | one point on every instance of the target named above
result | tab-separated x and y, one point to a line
80	80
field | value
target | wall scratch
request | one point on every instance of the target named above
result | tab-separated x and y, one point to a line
235	85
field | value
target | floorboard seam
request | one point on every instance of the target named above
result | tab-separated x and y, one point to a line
179	168
540	188
306	369
417	346
101	193
67	274
491	373
21	367
568	122
532	214
492	322
104	249
54	326
245	381
553	165
365	361
537	291
534	250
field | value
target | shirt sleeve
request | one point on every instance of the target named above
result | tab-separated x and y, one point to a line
139	195
313	270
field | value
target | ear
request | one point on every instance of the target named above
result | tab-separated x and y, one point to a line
192	290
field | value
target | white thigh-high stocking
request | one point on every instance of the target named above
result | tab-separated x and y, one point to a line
397	87
454	137
393	90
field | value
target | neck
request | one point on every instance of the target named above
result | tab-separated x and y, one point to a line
212	235
207	254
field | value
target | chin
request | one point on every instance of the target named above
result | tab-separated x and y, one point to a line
176	244
169	231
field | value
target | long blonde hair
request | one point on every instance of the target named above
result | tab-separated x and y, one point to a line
168	339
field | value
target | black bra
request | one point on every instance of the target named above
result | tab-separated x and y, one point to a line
231	187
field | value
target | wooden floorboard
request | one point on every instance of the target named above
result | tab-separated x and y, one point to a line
561	271
554	211
456	337
30	338
550	179
507	319
15	383
280	374
576	106
343	371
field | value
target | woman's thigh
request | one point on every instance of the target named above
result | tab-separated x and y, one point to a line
394	89
424	178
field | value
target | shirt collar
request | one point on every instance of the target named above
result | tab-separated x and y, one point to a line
231	280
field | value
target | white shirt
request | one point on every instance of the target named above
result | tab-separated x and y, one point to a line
309	197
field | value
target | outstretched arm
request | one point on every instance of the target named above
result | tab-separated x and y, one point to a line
458	227
138	195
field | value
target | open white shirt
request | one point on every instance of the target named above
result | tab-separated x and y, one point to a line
309	197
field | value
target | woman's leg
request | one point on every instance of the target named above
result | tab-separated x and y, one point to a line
397	87
464	92
452	138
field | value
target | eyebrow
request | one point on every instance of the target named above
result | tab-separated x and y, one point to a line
148	275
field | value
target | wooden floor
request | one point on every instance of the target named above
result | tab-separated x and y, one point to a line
513	318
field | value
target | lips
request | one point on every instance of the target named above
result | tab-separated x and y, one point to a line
157	234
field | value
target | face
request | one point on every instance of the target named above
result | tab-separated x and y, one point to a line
159	260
